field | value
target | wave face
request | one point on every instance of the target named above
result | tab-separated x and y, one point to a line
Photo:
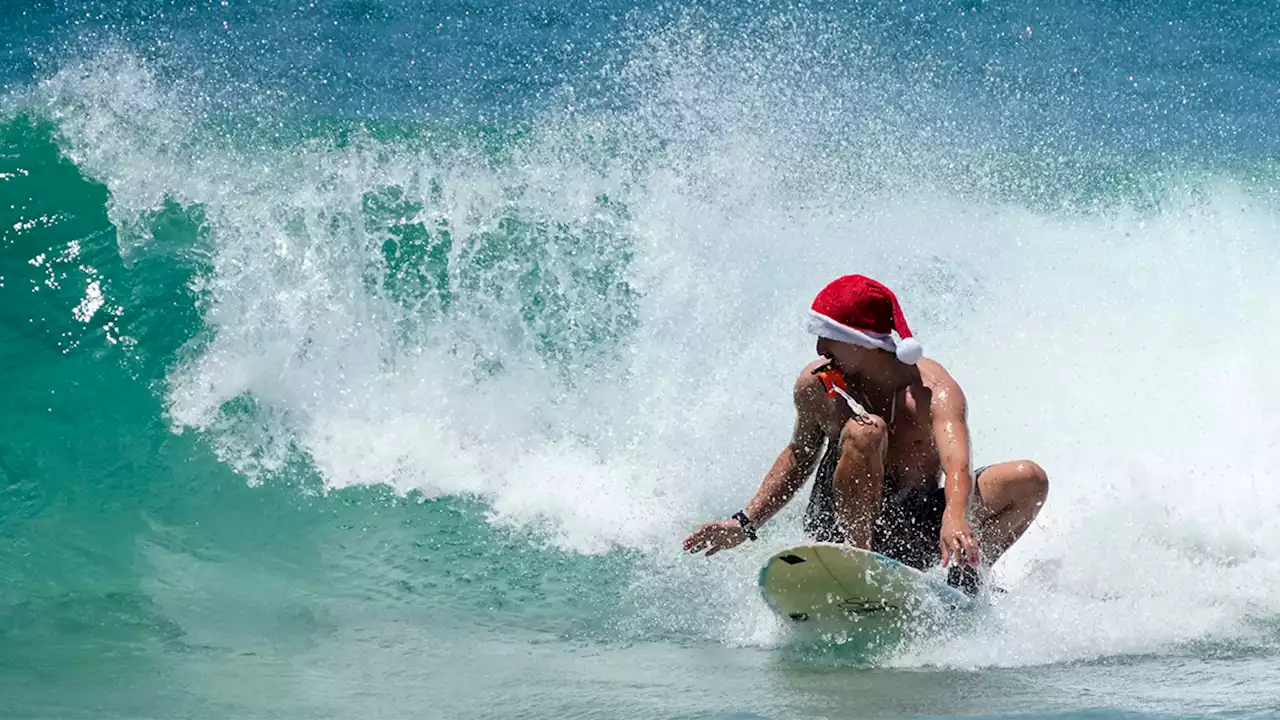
362	348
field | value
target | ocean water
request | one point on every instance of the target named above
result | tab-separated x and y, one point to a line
370	359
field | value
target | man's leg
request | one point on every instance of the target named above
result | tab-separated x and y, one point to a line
858	484
1012	494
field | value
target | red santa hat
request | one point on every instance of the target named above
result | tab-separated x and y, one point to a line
860	311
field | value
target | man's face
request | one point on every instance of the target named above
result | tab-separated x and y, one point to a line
842	355
847	357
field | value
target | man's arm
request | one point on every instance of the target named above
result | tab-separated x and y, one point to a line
951	434
787	475
796	460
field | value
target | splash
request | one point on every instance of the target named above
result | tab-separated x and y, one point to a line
595	328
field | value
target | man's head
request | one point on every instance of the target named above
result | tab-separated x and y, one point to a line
854	318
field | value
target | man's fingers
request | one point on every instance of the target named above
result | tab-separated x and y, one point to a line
971	552
946	553
701	539
714	535
696	542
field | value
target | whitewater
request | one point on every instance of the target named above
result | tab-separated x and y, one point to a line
325	410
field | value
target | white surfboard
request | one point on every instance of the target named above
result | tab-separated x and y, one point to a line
839	587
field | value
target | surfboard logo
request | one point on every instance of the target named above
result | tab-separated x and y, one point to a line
863	606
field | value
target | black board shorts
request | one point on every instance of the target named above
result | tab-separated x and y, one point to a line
907	527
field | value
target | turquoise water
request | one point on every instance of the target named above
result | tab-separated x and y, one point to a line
371	360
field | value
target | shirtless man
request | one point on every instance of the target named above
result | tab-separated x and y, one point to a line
895	477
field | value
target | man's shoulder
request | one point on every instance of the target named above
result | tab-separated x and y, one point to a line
808	387
938	380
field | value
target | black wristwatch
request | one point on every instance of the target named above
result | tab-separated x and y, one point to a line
748	527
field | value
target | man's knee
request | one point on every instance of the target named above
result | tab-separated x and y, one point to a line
864	435
1034	479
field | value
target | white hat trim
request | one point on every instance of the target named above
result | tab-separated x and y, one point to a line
823	326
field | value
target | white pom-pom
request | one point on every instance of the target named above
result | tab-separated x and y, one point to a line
909	350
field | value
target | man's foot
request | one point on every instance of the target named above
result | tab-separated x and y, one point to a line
965	578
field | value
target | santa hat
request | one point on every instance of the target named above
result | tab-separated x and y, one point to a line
860	311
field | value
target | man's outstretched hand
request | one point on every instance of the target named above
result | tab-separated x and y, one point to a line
715	536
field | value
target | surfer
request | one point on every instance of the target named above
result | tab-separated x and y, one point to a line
895	476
